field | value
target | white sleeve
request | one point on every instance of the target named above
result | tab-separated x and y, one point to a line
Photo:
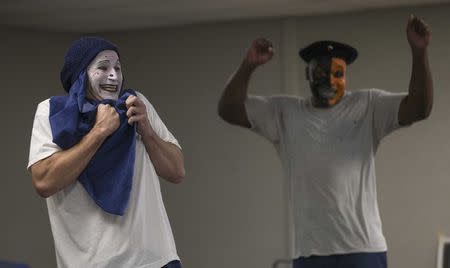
385	111
157	123
263	115
41	144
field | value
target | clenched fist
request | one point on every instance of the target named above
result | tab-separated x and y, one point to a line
260	52
107	119
418	33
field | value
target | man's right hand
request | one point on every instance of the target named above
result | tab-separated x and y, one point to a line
107	120
260	52
62	168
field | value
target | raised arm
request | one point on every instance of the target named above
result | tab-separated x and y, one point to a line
166	157
61	169
231	106
417	105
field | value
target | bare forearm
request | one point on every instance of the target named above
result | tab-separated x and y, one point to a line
63	168
421	84
232	103
236	88
166	157
231	106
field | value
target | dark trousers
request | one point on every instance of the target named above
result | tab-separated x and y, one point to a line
354	260
173	264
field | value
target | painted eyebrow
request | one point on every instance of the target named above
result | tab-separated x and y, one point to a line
103	61
107	61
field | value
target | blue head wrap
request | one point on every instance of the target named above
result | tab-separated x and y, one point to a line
108	176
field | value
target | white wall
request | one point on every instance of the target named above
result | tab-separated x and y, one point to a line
230	211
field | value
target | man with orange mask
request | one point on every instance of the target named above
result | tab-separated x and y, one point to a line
327	144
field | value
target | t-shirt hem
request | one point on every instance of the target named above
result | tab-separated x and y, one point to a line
174	142
39	157
340	252
397	106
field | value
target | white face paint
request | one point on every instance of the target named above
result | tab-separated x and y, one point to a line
105	76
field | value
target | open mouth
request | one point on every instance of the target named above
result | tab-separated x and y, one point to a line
109	88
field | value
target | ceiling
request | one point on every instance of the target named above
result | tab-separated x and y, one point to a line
109	15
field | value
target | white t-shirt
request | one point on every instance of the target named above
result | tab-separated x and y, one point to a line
328	158
85	236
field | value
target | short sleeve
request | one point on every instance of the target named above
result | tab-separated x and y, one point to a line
263	114
41	144
158	126
385	111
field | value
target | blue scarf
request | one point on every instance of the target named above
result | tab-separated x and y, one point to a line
108	176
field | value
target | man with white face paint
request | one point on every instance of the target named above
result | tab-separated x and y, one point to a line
327	145
105	76
95	155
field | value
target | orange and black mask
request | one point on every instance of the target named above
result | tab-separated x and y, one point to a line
326	77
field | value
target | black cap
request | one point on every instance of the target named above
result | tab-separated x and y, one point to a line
328	48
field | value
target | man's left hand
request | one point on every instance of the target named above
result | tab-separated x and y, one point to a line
137	113
418	33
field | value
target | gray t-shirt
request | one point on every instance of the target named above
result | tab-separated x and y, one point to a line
328	158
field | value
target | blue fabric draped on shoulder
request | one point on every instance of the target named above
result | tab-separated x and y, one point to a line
108	176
